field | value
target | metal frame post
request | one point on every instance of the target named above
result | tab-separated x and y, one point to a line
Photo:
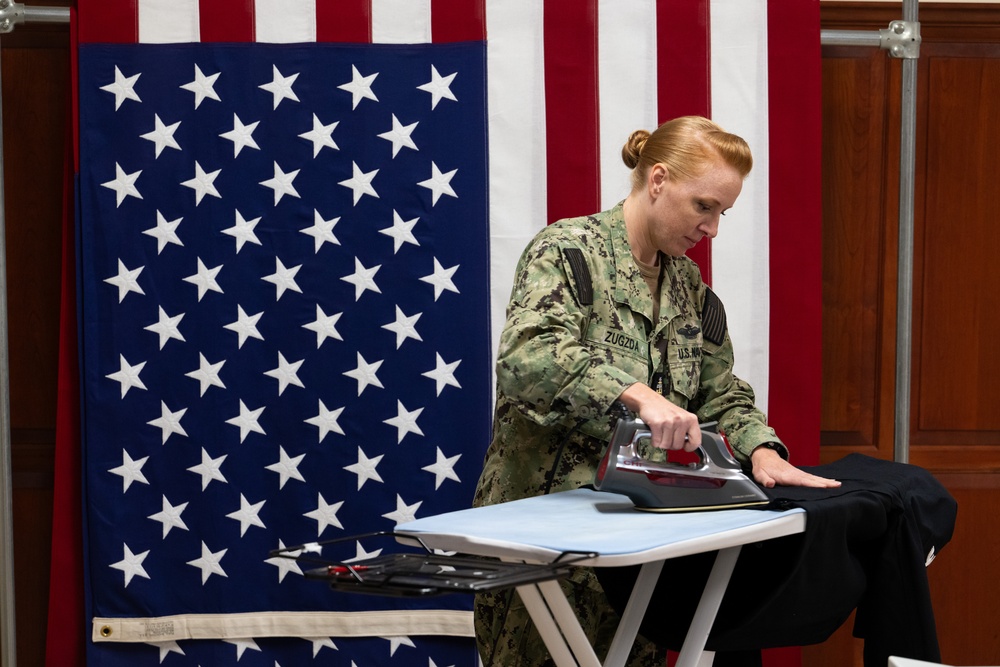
8	646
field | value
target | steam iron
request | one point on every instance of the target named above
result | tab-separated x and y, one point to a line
716	482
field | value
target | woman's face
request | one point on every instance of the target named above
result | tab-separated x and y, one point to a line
685	212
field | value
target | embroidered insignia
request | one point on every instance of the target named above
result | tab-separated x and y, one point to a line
689	331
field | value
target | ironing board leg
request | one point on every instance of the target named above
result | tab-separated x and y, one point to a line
628	628
558	625
694	643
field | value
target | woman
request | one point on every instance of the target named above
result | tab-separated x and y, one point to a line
606	311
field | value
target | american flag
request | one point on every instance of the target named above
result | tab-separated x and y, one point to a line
294	247
284	316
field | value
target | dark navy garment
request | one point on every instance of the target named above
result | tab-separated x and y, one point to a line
865	547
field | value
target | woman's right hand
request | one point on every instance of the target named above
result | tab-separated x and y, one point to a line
670	426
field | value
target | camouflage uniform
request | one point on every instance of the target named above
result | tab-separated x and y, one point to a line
561	368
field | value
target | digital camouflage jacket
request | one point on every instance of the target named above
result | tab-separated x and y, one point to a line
569	349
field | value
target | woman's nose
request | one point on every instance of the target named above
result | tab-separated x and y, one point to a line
711	227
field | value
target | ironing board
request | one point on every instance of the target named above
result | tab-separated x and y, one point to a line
582	520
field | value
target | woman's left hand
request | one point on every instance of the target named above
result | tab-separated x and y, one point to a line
769	469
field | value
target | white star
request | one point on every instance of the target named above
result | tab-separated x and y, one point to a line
130	471
242	645
325	515
281	183
283	278
281	87
285	373
209	469
360	182
170	516
123	88
168	422
165	232
405	421
396	642
321	135
202	87
123	184
205	279
209	563
441	279
241	135
321	642
322	230
287	467
166	648
439	87
404	513
365	468
401	231
207	374
443	374
324	325
245	325
363	279
203	183
399	135
443	468
285	565
247	515
166	327
126	280
131	564
326	420
127	375
162	135
404	327
361	554
439	183
247	421
242	231
360	87
365	374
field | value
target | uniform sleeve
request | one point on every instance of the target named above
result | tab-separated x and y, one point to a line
725	398
542	365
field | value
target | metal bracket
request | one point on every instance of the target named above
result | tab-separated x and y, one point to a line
11	13
901	39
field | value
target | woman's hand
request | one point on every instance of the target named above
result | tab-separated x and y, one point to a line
769	469
670	426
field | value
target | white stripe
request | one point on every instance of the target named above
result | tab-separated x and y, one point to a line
626	39
401	21
516	106
285	21
167	21
740	254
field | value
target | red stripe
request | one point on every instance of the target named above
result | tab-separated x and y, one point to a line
226	20
115	21
344	21
458	20
684	76
795	224
571	108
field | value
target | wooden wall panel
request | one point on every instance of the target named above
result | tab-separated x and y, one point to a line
957	303
855	119
35	73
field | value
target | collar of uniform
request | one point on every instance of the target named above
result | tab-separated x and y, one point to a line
630	288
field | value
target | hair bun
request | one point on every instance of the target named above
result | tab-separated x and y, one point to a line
632	149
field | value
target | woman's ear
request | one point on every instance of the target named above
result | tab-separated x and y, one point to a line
658	177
